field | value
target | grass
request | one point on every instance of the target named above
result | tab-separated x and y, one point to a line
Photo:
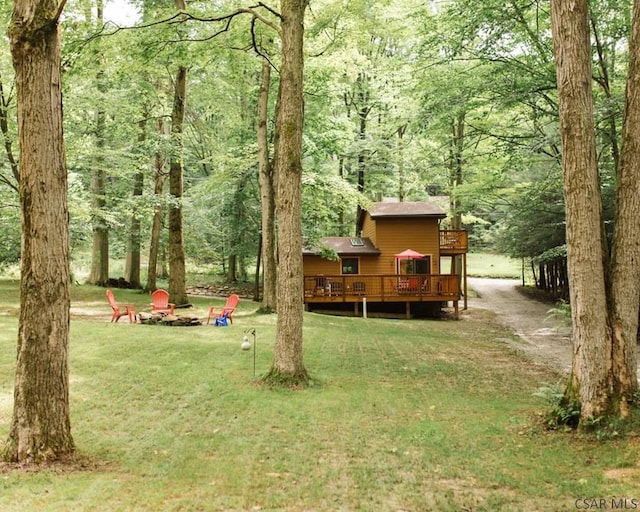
484	264
402	415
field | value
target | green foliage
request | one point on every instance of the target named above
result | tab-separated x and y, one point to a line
384	81
9	236
560	312
563	411
328	253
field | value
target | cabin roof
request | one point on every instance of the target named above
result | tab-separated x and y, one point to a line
347	245
405	209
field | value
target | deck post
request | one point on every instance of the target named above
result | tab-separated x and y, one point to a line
408	310
464	273
457	312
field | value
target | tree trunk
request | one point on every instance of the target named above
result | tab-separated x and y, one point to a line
455	171
99	274
232	268
610	131
591	341
363	113
41	426
625	260
132	265
256	277
8	141
400	157
177	277
158	211
288	364
267	195
177	272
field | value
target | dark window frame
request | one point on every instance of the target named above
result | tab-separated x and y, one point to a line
351	261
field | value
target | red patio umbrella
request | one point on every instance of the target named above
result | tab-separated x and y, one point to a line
409	254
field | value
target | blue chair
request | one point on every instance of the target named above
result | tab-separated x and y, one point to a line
222	321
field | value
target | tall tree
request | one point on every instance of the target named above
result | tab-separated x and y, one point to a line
100	252
158	214
41	426
604	306
132	264
288	363
177	276
625	261
267	194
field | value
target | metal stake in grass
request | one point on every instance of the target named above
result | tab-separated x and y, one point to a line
246	345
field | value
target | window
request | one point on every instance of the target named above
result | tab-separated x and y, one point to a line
350	265
356	242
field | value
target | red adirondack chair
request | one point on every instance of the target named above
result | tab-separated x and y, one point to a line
121	309
160	302
228	309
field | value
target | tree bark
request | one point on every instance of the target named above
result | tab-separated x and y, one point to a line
363	111
625	259
41	426
232	268
177	273
400	159
267	195
591	341
455	171
158	212
8	142
288	367
99	274
132	265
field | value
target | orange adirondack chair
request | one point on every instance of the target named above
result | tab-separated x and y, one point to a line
229	308
160	302
121	309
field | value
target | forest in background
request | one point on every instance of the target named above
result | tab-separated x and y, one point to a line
403	99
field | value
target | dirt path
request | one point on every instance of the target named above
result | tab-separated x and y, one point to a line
543	339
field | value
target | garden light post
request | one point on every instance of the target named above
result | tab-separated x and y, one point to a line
246	345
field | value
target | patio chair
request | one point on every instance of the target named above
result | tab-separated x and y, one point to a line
222	321
228	309
160	302
359	287
121	309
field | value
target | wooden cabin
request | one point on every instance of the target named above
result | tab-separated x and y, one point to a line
392	268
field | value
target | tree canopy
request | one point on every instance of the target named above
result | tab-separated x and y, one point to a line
383	85
398	96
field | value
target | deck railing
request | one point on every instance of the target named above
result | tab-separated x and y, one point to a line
454	241
381	288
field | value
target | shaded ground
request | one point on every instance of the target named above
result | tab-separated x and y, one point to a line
543	338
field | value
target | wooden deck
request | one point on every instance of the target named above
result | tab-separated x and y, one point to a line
391	288
453	241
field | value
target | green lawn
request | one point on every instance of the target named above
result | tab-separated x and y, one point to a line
402	415
483	264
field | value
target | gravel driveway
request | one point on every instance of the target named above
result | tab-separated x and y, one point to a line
543	338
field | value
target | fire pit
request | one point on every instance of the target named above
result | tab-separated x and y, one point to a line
160	318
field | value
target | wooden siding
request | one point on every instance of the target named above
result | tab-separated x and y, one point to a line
396	235
319	266
316	265
369	229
